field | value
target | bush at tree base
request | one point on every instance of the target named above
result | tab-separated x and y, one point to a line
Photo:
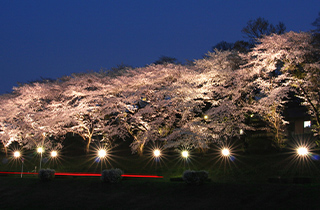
195	177
46	174
111	175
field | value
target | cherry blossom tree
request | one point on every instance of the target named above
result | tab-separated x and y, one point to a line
86	103
156	102
279	64
189	106
164	103
42	112
225	91
20	121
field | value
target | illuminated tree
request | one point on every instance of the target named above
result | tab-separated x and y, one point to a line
158	100
168	103
89	106
189	106
225	92
154	103
42	112
25	116
283	63
9	132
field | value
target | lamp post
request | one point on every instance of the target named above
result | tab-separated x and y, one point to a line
156	155
185	158
53	154
17	155
40	150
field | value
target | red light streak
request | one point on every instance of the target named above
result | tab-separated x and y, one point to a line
142	176
87	174
77	174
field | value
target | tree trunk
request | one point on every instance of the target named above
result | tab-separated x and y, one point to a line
140	152
88	144
5	150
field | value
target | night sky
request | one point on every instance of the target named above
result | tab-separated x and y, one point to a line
52	38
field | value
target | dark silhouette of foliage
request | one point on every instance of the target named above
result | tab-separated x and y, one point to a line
166	60
240	46
257	28
222	46
316	24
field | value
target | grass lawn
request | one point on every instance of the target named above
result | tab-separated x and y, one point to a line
249	181
90	193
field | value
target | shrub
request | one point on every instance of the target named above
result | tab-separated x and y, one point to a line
112	175
46	174
195	177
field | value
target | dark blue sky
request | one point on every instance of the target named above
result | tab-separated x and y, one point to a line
53	38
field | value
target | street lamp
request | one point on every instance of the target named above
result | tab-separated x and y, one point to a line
40	150
54	156
17	155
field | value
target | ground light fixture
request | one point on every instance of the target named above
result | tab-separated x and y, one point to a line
185	154
102	153
225	152
156	153
16	154
302	151
54	154
101	156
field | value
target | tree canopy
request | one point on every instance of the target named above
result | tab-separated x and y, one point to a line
192	106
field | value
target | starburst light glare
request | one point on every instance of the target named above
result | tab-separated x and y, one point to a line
54	154
225	152
16	154
102	153
185	154
156	153
302	151
40	150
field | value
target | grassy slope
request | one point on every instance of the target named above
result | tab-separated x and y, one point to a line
237	184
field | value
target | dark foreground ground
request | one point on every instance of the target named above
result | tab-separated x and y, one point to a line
247	181
91	193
